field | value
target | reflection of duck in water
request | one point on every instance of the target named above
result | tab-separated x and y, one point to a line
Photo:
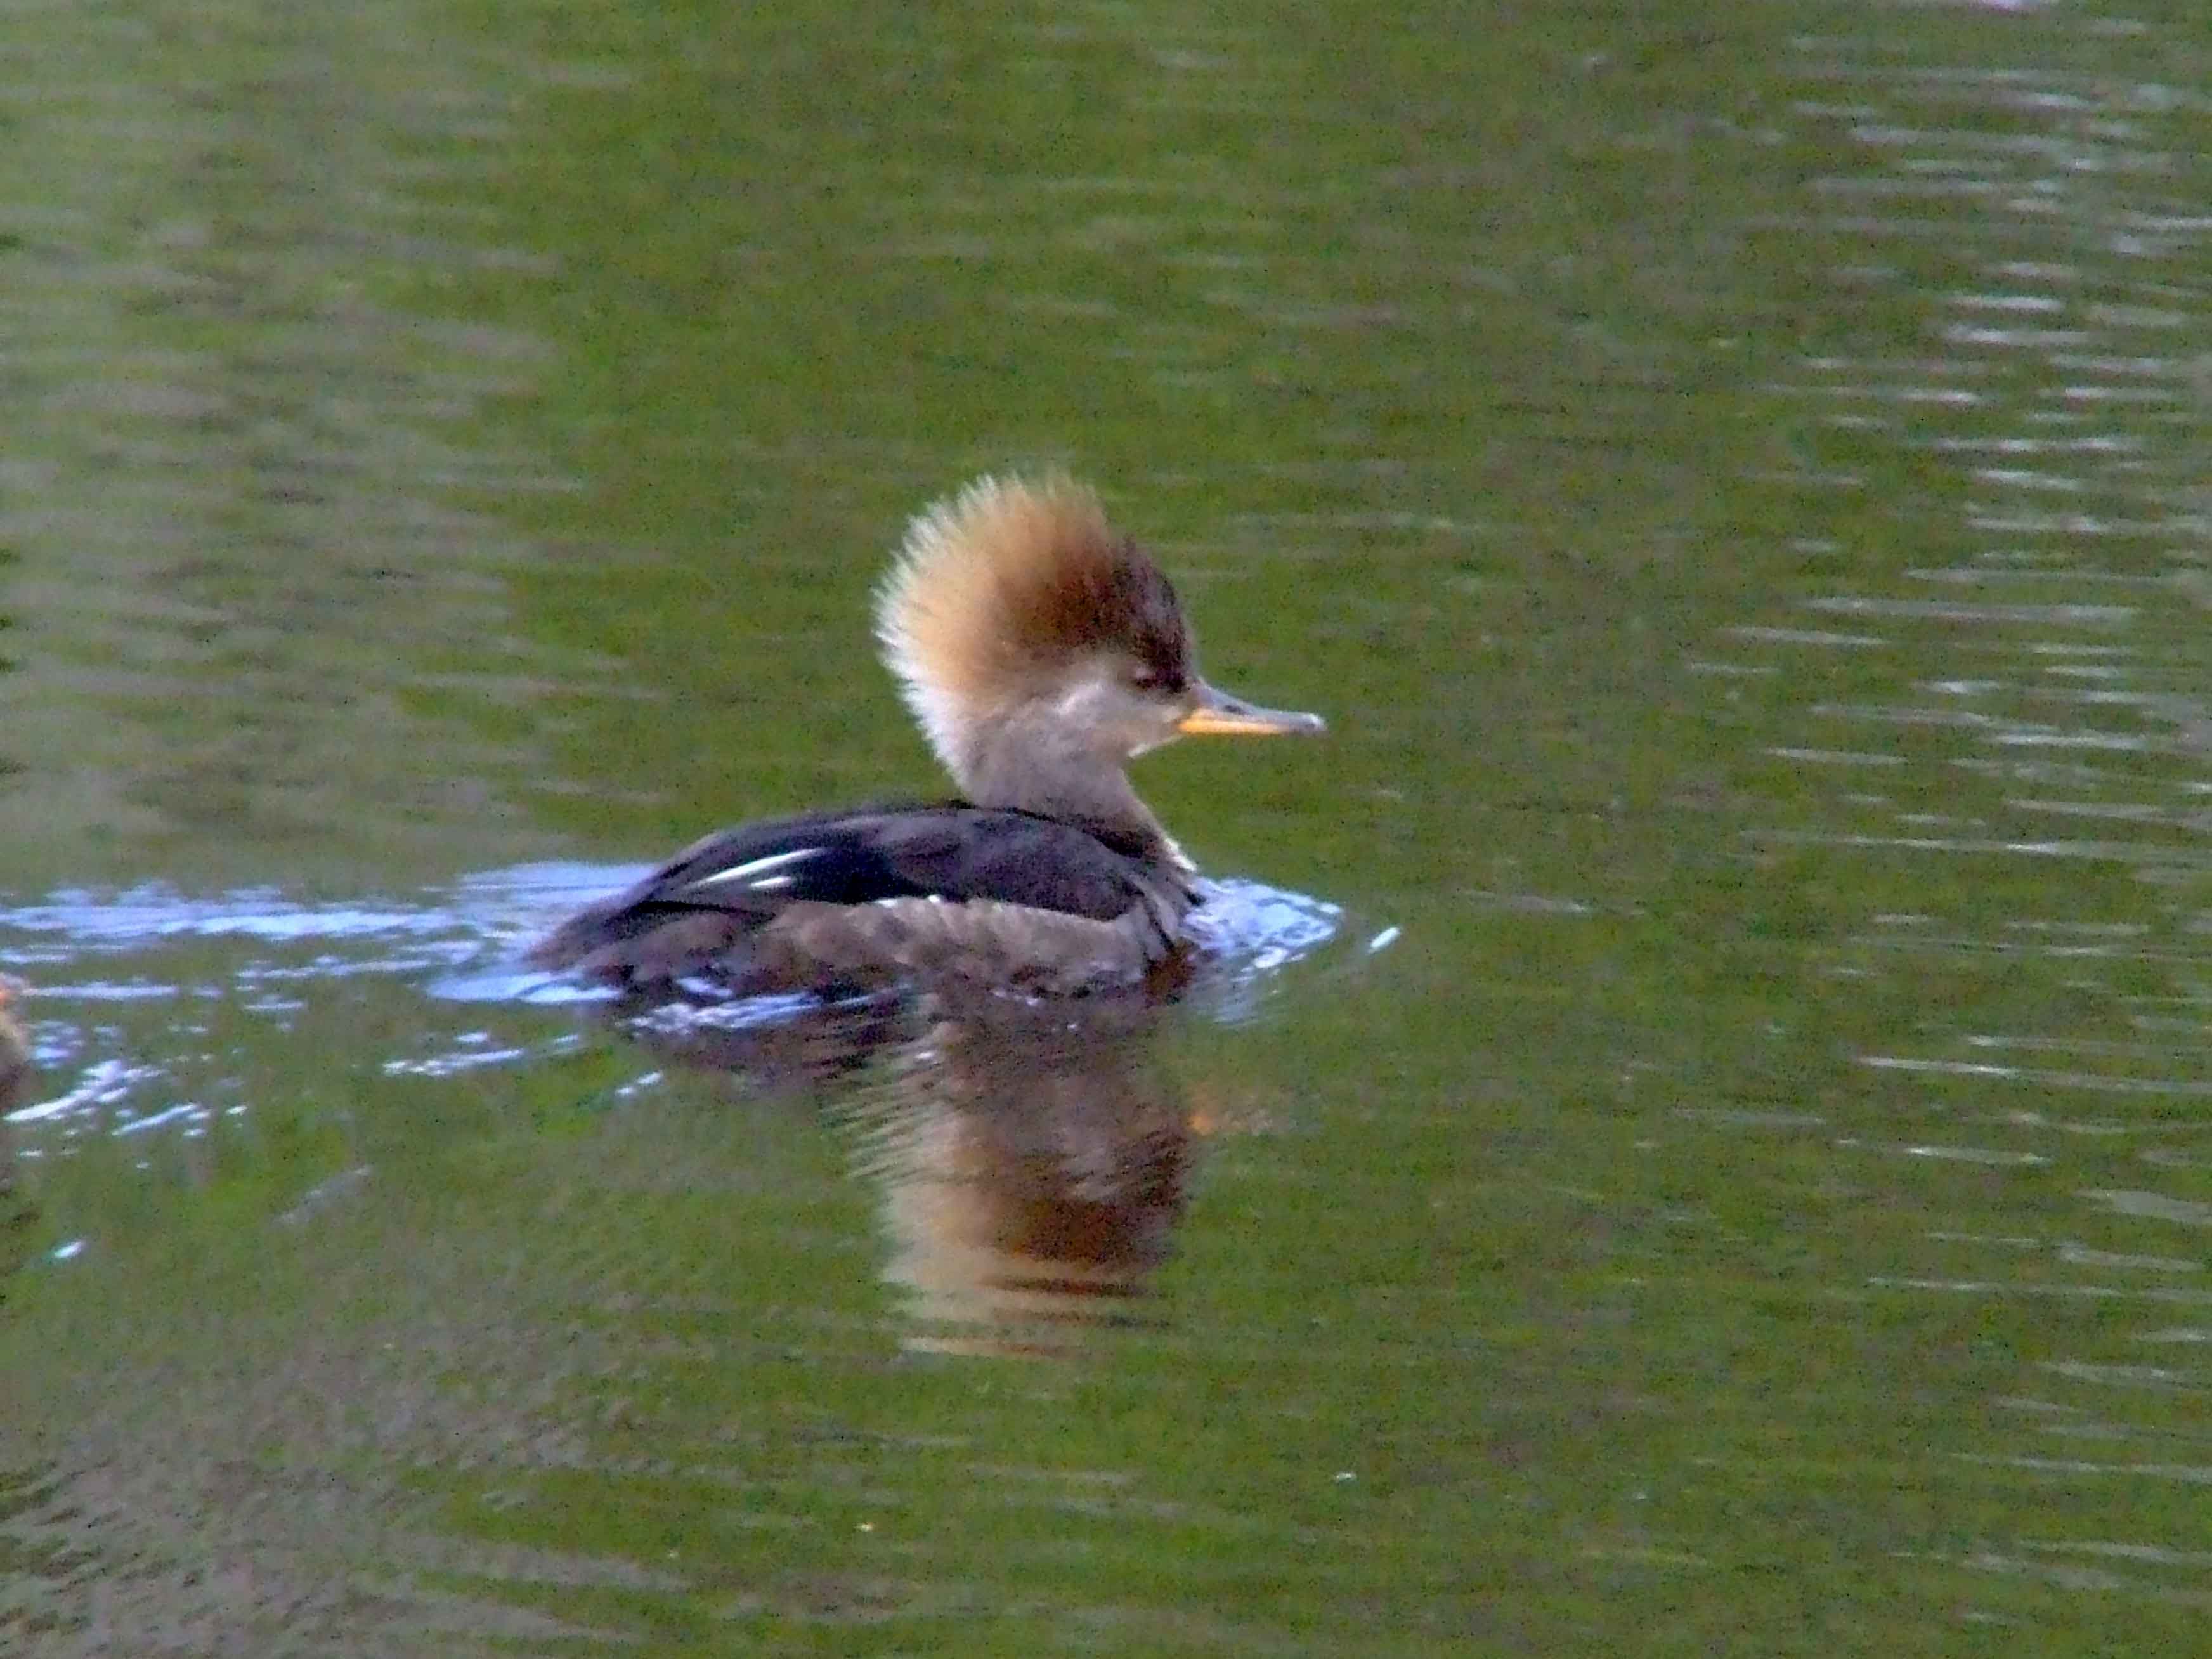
1040	651
1032	1174
1031	1158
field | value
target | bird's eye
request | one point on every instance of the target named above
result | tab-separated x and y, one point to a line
1150	681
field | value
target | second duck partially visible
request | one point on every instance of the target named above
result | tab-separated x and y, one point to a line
1040	651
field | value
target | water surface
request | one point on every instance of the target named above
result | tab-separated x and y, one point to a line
1698	1141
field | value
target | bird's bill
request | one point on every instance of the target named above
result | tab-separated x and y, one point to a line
1219	715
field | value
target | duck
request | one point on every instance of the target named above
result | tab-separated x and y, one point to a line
14	1049
16	1210
1039	650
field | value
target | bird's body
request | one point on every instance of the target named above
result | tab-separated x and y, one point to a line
853	899
1039	652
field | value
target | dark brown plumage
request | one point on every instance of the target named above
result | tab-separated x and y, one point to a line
855	900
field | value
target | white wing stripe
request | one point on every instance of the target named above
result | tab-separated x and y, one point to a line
751	871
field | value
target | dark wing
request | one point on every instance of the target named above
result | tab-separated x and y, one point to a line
714	894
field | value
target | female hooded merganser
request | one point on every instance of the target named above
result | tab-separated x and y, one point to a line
1040	651
14	1054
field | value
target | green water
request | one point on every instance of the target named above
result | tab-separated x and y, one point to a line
1731	475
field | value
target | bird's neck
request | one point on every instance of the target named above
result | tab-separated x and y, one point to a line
1034	766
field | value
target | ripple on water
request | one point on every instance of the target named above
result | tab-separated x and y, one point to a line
2005	510
461	944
